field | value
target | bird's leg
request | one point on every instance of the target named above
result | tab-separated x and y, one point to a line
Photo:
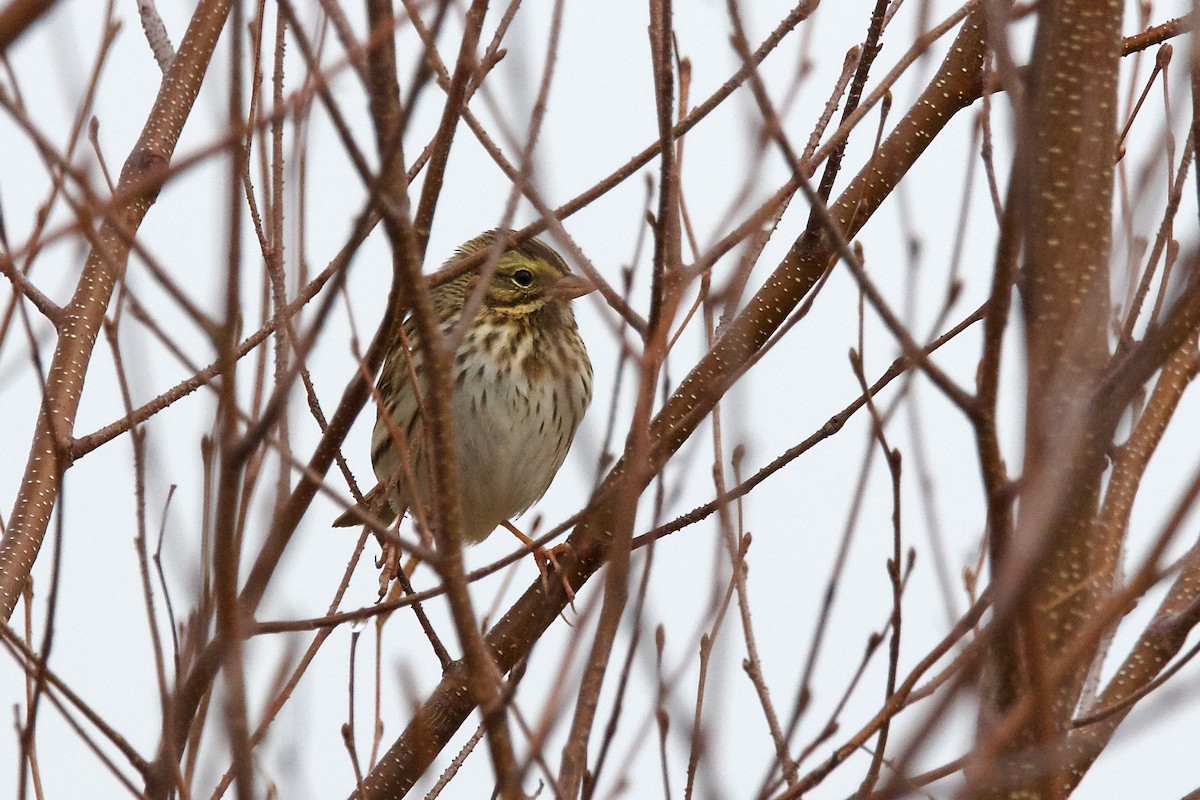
541	556
388	562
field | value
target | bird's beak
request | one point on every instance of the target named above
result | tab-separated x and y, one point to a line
570	287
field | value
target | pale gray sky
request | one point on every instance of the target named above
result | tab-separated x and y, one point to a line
601	112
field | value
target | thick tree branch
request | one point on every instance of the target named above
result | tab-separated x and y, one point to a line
50	451
1047	579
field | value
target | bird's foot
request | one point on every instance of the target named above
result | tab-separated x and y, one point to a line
388	564
543	557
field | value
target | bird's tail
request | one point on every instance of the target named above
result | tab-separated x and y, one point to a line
374	504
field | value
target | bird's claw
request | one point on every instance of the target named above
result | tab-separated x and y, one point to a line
543	556
388	564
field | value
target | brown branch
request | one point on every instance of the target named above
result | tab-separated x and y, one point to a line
1061	202
1162	241
894	704
1165	634
662	304
435	170
823	224
667	243
234	452
631	167
1163	640
83	445
33	664
955	86
893	459
408	242
1158	34
18	16
195	686
1132	458
22	286
831	427
1145	358
49	453
921	46
156	34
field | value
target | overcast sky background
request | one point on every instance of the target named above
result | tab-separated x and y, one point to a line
601	112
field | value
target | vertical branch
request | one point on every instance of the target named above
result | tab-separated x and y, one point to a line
1159	642
408	242
1062	202
870	48
667	241
275	261
137	190
435	170
233	452
662	302
893	459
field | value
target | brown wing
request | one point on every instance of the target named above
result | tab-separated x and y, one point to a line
398	399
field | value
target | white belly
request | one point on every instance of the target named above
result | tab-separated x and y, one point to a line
512	430
509	444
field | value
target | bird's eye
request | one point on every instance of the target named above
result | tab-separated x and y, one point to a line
523	277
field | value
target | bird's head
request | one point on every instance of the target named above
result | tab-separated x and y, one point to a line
528	277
